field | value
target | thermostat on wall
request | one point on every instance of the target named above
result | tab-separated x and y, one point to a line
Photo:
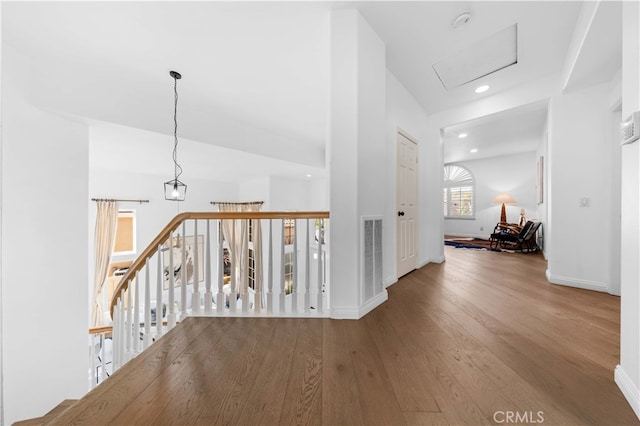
630	129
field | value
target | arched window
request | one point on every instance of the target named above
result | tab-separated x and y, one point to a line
459	192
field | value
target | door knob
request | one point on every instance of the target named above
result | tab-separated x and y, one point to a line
400	213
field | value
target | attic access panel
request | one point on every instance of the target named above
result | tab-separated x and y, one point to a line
479	59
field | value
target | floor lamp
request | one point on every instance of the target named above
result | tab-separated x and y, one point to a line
503	199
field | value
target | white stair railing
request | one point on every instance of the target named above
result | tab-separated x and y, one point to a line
191	249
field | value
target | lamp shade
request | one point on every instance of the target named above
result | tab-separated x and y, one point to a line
503	199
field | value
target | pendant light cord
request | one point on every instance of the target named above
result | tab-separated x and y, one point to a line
177	167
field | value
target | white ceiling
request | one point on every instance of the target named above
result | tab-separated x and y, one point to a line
419	34
601	50
255	74
511	132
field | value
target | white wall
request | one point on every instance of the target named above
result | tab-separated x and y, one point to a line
44	274
286	194
255	190
615	179
406	115
542	208
356	152
297	194
1	245
511	174
627	373
579	168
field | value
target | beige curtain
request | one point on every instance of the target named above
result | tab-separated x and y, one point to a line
105	232
236	233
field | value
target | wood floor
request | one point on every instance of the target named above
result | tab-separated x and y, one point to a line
479	339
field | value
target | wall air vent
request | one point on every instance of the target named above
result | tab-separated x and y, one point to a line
479	59
371	257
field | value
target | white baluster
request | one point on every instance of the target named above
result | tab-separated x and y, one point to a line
195	301
171	303
118	350
147	306
103	356
115	334
319	306
294	276
208	297
159	292
270	270
307	264
121	330
129	322
234	274
92	361
258	270
220	294
282	272
244	268
136	317
183	275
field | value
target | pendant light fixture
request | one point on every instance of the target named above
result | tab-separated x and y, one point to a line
174	190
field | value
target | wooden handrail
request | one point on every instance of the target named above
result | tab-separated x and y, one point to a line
164	235
102	329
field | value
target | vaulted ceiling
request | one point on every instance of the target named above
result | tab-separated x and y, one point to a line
255	74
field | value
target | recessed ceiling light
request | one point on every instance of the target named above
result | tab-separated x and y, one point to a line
308	175
462	135
473	151
482	89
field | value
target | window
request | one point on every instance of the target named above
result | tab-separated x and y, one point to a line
289	231
252	269
459	192
288	273
125	240
252	258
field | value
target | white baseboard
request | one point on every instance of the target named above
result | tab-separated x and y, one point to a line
389	281
344	312
425	262
577	283
353	312
373	303
628	389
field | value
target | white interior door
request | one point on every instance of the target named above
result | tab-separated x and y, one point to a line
407	191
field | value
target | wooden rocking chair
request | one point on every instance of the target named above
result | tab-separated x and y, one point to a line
523	241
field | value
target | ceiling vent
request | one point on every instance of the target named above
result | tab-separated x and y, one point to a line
480	59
